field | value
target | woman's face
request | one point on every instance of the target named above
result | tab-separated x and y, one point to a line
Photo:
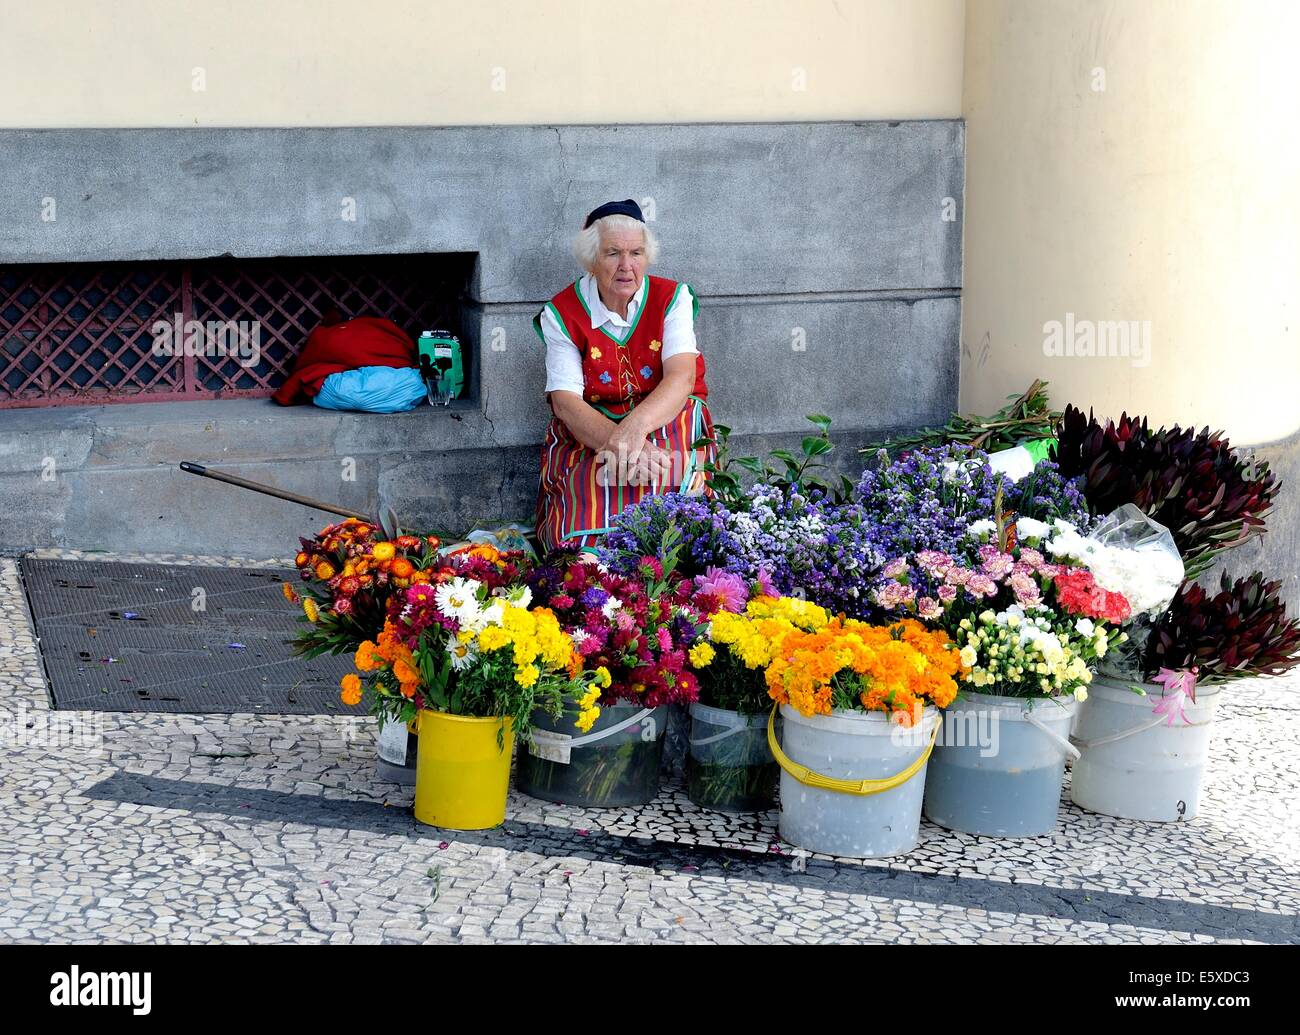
620	266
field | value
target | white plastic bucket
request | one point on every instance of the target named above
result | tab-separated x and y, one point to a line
1133	764
853	746
729	767
998	764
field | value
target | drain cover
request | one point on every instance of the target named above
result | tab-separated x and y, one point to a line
175	638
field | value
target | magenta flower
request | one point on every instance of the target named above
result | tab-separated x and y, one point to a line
728	588
766	587
420	593
650	567
665	638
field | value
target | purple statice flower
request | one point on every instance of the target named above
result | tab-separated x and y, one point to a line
639	530
730	590
926	499
809	544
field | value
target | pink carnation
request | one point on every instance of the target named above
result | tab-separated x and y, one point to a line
896	568
928	607
935	562
981	585
947	594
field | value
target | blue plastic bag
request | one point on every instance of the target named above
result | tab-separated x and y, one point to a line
373	390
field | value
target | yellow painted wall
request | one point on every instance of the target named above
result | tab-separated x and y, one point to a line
82	63
1169	196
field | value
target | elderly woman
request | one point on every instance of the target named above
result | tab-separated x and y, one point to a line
625	382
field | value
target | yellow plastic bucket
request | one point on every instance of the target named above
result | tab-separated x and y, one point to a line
461	775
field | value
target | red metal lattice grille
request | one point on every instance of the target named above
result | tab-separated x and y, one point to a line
84	334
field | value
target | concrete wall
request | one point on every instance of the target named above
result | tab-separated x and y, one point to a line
827	257
189	63
1135	162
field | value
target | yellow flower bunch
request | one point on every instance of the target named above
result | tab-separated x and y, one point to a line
588	709
753	636
532	635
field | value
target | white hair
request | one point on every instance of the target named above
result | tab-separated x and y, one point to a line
587	243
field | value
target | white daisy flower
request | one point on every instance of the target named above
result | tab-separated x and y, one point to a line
610	606
458	599
462	654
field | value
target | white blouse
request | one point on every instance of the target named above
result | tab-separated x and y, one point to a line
564	360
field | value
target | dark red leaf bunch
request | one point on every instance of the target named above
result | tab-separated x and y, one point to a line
1242	630
1194	483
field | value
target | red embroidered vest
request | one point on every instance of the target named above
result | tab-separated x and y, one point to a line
619	372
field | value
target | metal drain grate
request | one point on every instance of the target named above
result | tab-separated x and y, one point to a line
172	638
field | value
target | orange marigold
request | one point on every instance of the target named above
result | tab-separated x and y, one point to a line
401	568
351	689
324	571
289	593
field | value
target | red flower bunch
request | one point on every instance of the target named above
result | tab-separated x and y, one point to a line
639	626
1079	594
350	571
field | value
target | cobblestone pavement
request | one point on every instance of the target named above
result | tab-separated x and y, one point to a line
241	828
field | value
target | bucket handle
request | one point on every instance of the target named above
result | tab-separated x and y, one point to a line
1124	734
1055	737
730	731
547	737
809	778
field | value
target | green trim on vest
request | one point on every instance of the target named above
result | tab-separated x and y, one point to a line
695	302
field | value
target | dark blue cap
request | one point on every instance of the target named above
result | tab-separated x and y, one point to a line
627	207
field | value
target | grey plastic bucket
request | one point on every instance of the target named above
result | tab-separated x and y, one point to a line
1133	763
729	766
603	768
998	765
853	745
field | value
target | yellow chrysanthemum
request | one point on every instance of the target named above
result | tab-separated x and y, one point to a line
324	571
383	551
603	678
701	654
527	675
587	719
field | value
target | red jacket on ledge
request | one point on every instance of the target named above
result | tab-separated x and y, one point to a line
365	341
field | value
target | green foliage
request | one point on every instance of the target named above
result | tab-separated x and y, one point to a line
781	467
1027	416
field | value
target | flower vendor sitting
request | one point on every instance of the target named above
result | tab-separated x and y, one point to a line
625	383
